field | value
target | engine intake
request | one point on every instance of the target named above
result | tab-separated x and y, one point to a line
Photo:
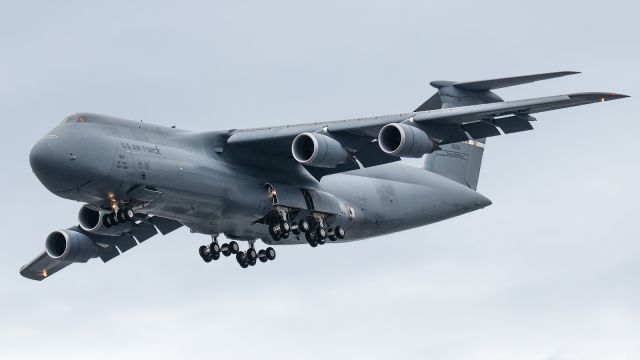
404	140
318	150
70	246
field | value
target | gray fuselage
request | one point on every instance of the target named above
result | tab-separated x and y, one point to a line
190	177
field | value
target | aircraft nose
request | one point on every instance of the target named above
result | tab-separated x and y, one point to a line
53	166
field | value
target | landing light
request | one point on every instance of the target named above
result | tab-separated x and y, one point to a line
44	273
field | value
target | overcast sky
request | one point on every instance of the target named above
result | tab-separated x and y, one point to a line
550	271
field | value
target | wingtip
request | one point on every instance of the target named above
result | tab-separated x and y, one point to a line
597	97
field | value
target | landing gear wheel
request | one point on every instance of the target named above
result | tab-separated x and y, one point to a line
252	262
252	255
215	255
321	233
296	228
127	213
262	256
284	226
311	240
284	235
274	231
242	259
214	247
106	221
113	219
339	232
120	215
203	251
304	225
233	247
270	253
333	237
225	250
321	241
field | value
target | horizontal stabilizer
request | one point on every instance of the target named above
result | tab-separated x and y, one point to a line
486	85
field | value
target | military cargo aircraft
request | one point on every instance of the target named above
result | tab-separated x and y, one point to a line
332	181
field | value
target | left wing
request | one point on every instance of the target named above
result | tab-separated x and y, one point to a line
444	126
44	266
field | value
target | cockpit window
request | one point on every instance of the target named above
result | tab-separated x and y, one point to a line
76	118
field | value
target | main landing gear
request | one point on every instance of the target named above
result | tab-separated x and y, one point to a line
119	216
320	234
313	227
245	259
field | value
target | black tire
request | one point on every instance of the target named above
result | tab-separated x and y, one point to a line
313	243
252	254
242	259
207	258
270	253
262	255
202	250
274	230
296	228
284	235
252	262
340	232
321	241
215	255
113	218
214	247
304	225
226	252
321	232
128	214
106	221
234	247
333	238
120	215
284	226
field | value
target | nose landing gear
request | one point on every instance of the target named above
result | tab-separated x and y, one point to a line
120	216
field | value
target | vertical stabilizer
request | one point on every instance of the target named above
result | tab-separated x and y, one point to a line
459	162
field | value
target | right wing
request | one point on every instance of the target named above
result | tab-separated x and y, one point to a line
270	146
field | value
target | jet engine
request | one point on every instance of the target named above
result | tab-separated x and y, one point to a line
318	150
91	221
404	140
70	246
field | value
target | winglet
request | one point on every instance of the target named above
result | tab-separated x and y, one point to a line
491	84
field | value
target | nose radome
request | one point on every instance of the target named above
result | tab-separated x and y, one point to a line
41	157
54	166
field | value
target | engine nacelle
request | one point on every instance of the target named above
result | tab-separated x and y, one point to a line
91	221
71	246
404	140
318	150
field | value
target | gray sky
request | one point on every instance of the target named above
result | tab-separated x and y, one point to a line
549	271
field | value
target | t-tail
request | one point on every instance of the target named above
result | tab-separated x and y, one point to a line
461	161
